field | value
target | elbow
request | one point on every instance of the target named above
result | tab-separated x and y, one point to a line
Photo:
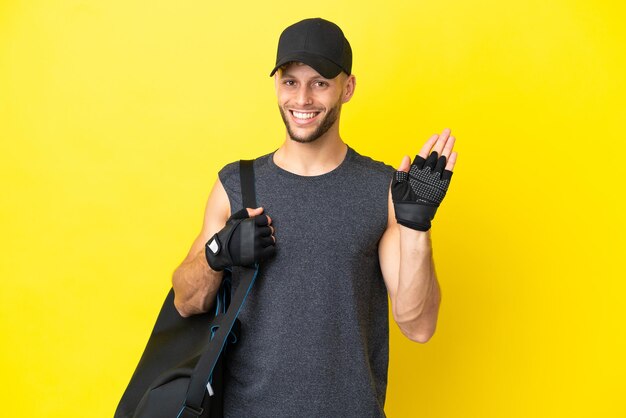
418	324
421	338
418	333
182	308
415	328
187	308
181	303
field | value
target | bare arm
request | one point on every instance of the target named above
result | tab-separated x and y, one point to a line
406	258
409	272
195	283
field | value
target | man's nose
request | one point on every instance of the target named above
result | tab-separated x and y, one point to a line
304	95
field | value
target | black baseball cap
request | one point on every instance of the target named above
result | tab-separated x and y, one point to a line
319	44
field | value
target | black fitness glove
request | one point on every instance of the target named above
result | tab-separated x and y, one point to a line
242	242
417	194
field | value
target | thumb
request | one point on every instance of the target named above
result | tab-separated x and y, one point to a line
405	164
254	212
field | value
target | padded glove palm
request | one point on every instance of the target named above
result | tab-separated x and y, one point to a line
242	242
417	194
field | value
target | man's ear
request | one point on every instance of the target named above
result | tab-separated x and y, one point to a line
348	90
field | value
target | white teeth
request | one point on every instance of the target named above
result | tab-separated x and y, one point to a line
304	115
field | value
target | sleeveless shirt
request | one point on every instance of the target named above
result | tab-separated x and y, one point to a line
315	327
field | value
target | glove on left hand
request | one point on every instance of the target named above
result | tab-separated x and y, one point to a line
417	194
242	242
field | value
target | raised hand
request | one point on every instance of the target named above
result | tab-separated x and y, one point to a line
419	187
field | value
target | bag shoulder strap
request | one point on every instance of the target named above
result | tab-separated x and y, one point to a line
204	368
246	175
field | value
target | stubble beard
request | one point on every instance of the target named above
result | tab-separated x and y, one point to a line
322	128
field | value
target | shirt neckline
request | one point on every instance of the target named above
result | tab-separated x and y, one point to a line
331	173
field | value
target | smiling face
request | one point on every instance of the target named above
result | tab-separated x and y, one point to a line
310	104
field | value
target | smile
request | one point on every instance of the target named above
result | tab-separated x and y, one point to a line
303	118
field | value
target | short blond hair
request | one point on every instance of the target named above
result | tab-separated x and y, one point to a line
283	67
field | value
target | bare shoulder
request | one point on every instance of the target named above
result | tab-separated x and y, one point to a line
216	213
217	208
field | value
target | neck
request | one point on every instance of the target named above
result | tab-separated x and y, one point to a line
311	159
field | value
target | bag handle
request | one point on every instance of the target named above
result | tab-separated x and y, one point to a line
204	369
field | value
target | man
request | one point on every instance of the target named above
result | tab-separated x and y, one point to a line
336	234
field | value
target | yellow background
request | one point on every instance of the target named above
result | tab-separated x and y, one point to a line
115	117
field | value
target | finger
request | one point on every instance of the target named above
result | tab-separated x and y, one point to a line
267	241
441	142
400	187
419	161
260	220
441	163
405	164
428	146
263	231
448	148
254	211
267	252
451	161
269	220
431	160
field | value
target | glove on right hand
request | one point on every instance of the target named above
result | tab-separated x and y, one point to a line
417	194
242	242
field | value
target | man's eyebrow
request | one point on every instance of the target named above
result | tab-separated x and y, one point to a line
287	75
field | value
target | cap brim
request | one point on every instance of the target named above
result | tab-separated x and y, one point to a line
324	66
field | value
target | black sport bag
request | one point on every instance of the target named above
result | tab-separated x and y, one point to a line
180	374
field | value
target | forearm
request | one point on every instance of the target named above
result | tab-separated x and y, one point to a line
418	296
195	285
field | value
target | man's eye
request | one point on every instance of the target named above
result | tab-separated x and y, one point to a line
289	82
321	83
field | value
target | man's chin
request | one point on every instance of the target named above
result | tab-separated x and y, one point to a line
302	140
310	137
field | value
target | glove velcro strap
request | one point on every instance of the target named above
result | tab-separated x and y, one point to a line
247	241
215	250
415	215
